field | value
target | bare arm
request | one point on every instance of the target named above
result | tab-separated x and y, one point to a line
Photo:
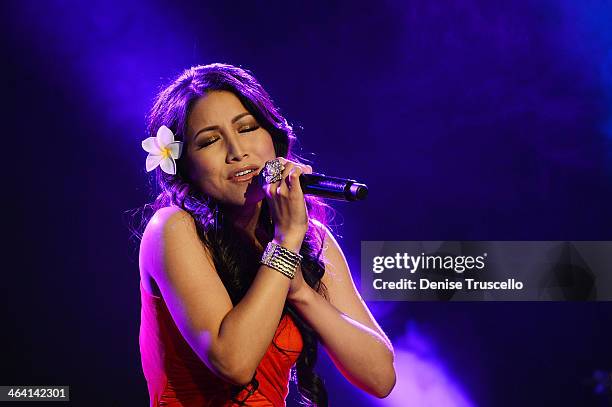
231	341
347	330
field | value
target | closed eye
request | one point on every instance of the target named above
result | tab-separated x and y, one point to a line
245	129
208	142
248	129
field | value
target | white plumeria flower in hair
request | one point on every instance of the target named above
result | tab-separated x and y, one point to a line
163	150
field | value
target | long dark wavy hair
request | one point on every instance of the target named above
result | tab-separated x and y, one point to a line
236	259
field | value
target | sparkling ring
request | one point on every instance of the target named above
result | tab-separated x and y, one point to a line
272	171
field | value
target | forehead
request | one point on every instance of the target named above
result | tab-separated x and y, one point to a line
214	108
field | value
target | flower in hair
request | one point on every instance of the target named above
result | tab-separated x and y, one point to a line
163	151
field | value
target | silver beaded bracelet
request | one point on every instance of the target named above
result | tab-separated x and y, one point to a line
281	259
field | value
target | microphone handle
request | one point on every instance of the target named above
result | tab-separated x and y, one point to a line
333	187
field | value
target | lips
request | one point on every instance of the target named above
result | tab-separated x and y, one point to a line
246	177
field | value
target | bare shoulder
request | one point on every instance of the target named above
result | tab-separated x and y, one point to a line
174	258
168	220
170	232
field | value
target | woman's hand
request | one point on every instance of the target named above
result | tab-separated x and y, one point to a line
287	206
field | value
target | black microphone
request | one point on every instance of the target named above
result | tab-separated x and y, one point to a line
332	187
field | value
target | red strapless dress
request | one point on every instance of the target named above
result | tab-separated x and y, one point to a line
177	377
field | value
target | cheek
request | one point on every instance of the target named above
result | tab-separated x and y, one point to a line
266	147
203	173
206	174
210	182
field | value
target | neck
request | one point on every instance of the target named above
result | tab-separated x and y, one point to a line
246	219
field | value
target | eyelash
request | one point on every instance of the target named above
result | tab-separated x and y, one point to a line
248	129
243	130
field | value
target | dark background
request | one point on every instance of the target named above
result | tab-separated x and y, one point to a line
467	119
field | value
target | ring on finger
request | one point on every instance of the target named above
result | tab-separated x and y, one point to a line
272	171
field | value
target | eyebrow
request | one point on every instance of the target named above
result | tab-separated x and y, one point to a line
234	120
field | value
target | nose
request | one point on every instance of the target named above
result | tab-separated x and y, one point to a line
235	149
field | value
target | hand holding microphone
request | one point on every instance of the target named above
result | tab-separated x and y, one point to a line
279	179
324	186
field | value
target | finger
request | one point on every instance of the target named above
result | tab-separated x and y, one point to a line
288	166
283	187
271	189
306	169
283	162
293	178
